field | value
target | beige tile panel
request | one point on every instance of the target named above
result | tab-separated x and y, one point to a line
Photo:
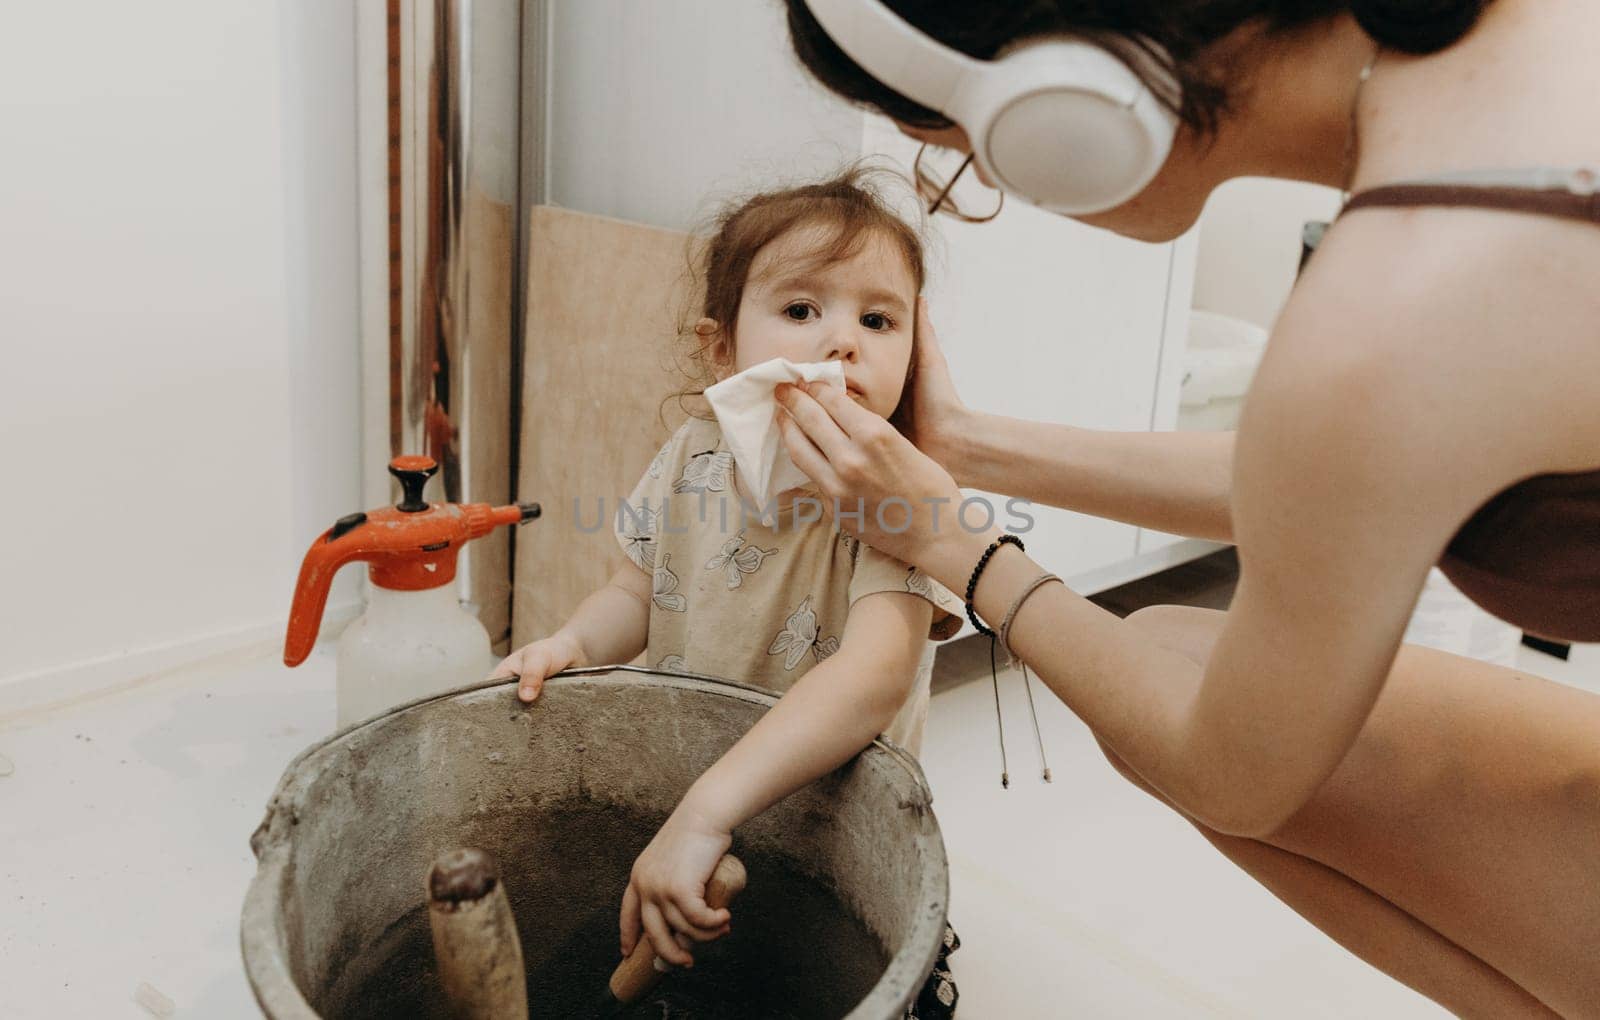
604	302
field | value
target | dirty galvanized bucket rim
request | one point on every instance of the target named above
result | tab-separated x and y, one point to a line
262	934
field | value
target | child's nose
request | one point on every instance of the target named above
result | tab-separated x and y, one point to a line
843	346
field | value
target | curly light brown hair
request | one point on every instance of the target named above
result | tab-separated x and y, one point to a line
851	208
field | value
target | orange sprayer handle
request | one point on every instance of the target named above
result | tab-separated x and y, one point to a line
410	550
322	561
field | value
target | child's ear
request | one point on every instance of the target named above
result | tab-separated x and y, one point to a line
717	345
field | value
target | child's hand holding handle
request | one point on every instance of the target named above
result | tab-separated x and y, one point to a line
667	890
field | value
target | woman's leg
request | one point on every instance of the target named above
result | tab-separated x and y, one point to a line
1369	926
1457	846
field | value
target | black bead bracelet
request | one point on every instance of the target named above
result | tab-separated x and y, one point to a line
983	561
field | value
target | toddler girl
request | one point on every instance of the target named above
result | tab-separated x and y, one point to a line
823	272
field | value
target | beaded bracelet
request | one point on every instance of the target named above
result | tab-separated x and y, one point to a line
983	561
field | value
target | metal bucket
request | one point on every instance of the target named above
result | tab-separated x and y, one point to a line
848	885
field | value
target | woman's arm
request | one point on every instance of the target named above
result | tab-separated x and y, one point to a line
1365	443
1170	481
826	718
1338	522
1336	535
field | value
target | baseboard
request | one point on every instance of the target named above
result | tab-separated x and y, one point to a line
27	692
1143	565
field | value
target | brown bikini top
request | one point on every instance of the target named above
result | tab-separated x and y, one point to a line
1531	554
1573	193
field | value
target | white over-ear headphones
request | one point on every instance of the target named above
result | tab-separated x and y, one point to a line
1062	124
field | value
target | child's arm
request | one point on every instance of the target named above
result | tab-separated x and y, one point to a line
609	626
827	717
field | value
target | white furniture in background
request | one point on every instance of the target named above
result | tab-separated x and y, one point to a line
1246	259
1249	247
1219	362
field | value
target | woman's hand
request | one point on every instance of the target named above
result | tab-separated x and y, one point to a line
906	500
536	662
666	892
938	417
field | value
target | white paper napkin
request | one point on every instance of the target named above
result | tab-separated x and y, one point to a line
747	412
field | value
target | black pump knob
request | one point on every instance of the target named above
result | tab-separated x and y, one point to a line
413	472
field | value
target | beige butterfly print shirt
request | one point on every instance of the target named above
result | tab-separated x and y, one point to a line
736	598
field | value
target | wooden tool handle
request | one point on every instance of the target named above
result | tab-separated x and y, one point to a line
475	938
636	975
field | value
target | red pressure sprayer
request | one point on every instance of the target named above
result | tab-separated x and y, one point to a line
415	638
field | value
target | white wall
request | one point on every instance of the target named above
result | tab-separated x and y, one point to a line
177	273
659	110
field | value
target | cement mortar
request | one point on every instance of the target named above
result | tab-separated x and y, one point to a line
848	881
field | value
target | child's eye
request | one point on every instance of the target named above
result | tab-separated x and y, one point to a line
877	321
799	311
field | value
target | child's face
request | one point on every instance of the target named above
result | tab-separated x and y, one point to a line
860	311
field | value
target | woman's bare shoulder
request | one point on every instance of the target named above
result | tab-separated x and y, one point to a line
1475	327
1513	93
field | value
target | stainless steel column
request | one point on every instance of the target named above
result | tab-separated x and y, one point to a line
452	123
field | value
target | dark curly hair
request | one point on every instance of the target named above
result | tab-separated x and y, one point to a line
1164	41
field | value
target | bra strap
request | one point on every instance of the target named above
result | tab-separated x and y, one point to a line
1573	194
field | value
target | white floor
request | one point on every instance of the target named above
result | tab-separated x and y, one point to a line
125	820
125	830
